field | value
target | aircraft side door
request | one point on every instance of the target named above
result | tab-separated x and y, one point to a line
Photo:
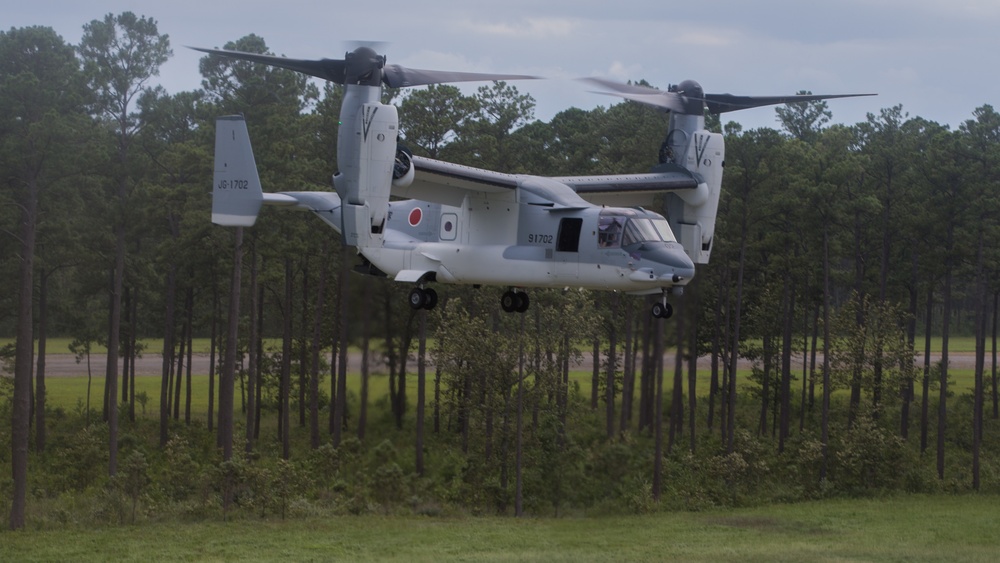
567	254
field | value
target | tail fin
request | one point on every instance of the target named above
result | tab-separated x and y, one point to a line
236	195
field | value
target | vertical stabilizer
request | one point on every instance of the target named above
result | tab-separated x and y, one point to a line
236	194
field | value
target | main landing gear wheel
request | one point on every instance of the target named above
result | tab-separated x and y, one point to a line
514	301
423	298
663	310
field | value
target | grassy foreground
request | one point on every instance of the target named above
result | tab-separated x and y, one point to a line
913	528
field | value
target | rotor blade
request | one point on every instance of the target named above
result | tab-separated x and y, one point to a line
668	101
721	103
327	69
619	86
396	76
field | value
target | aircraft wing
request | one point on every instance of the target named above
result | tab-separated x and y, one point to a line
447	183
625	190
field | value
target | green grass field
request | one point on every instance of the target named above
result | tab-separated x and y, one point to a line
913	528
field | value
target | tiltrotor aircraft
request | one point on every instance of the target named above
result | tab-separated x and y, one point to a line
450	223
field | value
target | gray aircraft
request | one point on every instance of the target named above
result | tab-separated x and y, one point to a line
419	220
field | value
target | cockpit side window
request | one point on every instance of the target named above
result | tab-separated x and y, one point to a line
609	231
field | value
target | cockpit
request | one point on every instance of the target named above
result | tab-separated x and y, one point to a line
625	227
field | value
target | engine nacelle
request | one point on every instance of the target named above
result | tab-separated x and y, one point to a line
692	214
366	150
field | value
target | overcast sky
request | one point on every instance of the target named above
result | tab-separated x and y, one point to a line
937	58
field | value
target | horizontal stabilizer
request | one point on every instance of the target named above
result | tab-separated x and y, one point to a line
236	194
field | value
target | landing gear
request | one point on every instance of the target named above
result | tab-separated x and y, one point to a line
514	301
423	298
663	310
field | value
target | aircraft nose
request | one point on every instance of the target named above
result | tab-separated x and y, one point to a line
676	263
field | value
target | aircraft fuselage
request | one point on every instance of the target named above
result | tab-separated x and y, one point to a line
499	241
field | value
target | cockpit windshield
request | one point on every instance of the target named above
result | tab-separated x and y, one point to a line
617	229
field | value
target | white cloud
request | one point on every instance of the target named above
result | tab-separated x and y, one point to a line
539	28
704	38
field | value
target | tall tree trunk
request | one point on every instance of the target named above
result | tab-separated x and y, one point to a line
564	382
943	387
595	381
694	307
677	392
43	307
133	337
978	391
825	414
286	365
765	388
252	350
925	391
304	320
335	352
437	399
628	371
993	348
314	438
609	381
813	349
168	351
734	353
911	338
399	400
713	385
421	385
343	317
518	492
258	359
126	337
390	352
883	290
365	343
859	320
786	365
806	376
190	355
658	409
23	352
212	349
227	378
179	374
114	336
645	374
727	308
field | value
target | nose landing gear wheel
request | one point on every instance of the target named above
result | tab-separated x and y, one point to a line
663	310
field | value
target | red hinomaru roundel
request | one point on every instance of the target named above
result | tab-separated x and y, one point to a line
415	216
